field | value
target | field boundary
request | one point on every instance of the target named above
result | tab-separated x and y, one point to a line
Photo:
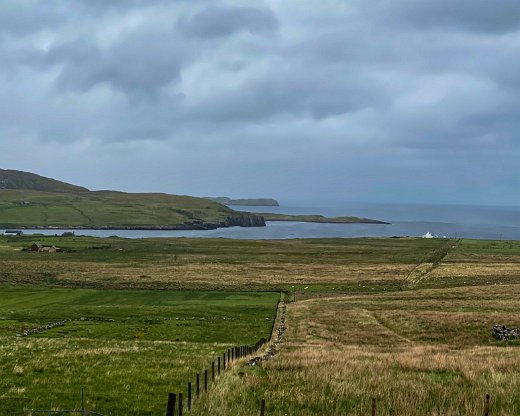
227	359
423	269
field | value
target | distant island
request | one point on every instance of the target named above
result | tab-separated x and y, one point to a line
28	200
251	202
319	219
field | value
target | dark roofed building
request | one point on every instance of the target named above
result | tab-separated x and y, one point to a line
36	247
40	248
13	232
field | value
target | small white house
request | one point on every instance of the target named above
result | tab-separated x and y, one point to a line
428	235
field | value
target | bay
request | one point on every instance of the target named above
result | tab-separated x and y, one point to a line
480	222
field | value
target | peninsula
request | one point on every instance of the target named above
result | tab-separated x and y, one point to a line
251	202
319	219
28	200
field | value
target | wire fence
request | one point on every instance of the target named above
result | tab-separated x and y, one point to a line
195	387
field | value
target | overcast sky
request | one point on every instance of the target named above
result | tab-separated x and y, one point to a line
380	100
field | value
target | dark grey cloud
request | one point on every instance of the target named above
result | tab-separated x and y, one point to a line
372	96
219	21
460	15
318	93
24	17
139	64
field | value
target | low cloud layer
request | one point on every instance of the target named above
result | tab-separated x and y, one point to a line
381	100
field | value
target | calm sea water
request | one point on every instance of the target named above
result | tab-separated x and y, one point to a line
406	220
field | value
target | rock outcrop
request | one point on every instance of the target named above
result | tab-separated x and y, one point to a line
245	220
275	344
505	334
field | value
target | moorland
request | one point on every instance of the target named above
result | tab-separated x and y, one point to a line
405	321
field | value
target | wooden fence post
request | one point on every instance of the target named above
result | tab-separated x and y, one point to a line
189	396
229	355
205	381
218	366
224	363
262	408
198	385
373	407
171	404
212	371
486	406
180	404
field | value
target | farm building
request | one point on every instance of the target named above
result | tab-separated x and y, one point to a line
40	248
13	233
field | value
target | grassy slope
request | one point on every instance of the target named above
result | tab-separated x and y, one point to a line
27	208
15	179
148	344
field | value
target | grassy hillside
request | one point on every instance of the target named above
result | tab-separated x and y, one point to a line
108	209
15	179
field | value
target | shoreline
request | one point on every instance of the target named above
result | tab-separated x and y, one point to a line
319	219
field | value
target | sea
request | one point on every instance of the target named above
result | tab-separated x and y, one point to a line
414	220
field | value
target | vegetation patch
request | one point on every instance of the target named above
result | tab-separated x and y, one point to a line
128	349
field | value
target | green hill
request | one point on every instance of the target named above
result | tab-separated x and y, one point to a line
16	179
32	201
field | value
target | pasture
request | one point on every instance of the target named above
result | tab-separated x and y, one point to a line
128	349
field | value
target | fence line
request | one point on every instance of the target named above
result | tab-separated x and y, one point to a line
233	354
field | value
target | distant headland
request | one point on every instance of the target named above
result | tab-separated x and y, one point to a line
28	200
251	202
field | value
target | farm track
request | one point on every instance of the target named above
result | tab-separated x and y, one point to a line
423	270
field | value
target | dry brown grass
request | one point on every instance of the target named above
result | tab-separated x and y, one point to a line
424	352
200	274
493	270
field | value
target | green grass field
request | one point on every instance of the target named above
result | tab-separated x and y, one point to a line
127	349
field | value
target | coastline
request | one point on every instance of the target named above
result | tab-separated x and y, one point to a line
319	219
